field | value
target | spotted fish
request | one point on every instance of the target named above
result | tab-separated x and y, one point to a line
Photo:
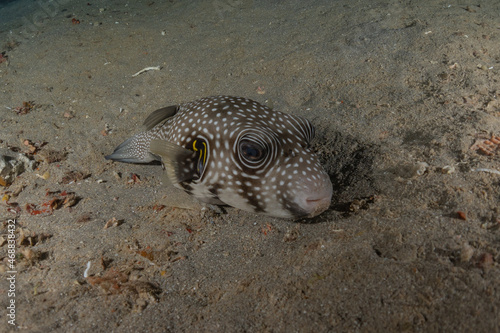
233	151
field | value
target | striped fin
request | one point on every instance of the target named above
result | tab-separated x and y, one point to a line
179	162
160	115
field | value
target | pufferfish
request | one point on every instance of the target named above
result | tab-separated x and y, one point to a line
234	151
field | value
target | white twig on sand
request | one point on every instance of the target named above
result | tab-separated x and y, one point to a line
86	273
153	68
487	170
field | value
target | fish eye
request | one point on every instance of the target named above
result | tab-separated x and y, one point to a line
252	151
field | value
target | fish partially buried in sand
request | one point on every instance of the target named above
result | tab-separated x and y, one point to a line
233	151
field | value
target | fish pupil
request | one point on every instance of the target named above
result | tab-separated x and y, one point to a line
251	150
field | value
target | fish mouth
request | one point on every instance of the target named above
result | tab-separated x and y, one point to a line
317	205
318	200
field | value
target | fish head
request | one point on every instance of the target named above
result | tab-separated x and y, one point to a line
267	166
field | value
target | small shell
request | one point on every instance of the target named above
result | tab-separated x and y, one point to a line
421	168
45	176
448	169
113	222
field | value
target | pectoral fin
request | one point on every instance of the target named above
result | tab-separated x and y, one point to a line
179	162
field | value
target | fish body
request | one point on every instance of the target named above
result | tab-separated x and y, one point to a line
234	151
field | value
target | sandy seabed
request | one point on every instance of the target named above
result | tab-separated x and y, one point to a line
403	95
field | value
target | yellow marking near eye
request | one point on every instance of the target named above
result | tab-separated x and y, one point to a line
203	153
